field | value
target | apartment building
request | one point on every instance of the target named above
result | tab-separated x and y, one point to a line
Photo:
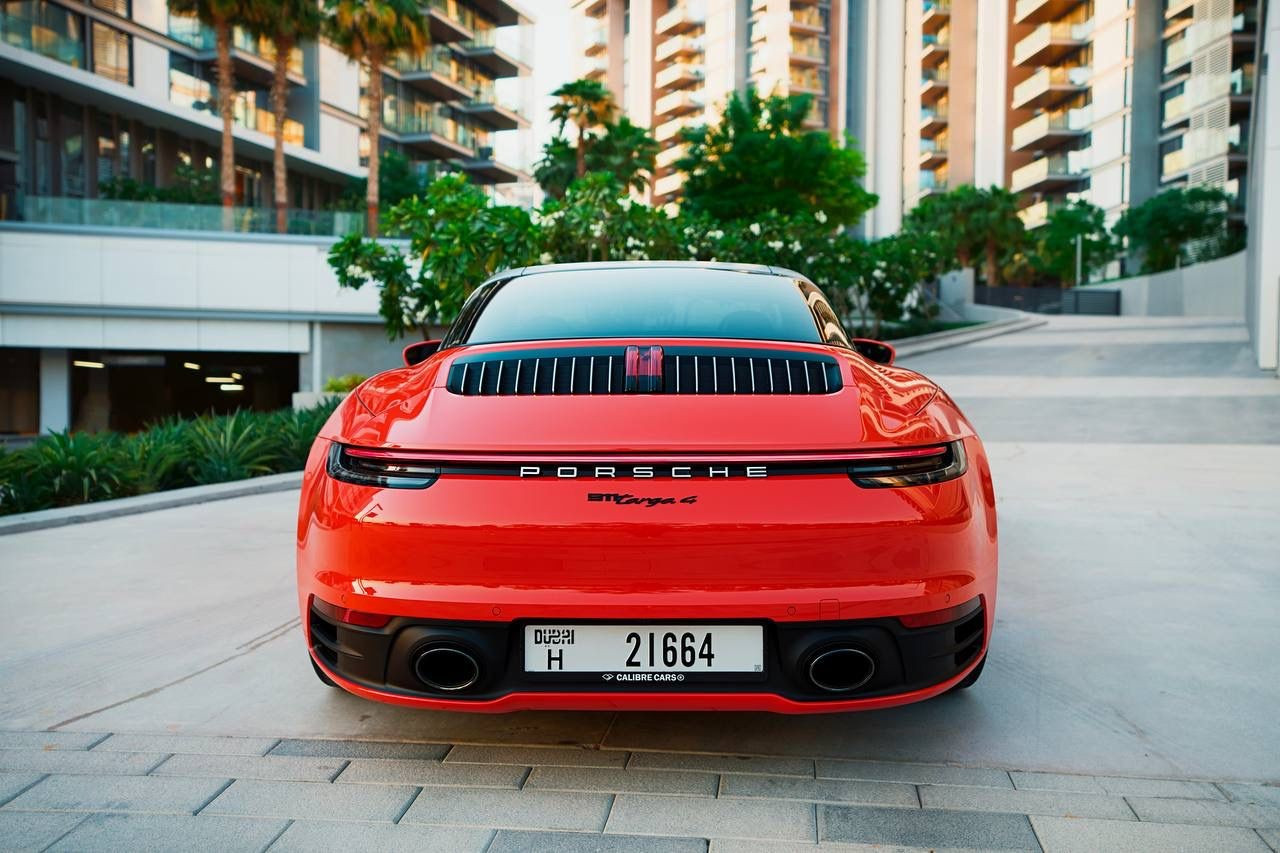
91	91
671	64
1207	82
114	312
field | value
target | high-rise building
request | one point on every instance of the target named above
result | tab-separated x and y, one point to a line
671	64
91	92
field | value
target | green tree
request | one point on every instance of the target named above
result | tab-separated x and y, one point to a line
587	104
999	229
220	16
456	240
285	23
1055	242
760	157
622	149
370	32
1181	225
948	223
598	221
398	179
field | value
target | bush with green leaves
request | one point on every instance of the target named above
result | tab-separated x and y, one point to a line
343	384
62	469
1182	225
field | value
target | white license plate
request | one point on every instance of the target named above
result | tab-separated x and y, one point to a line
643	648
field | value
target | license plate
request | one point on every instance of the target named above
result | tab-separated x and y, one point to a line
643	648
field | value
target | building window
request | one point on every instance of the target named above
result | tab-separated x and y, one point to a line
120	7
111	54
43	28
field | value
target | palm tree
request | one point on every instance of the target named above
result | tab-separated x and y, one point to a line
285	23
999	229
371	31
586	103
220	16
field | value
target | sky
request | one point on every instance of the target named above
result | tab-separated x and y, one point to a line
552	59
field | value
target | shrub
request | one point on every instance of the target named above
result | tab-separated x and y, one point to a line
343	384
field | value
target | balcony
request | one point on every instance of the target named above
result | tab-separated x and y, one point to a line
1176	109
931	184
1050	129
431	129
597	42
934	47
933	120
1050	43
435	72
1177	52
484	104
808	21
449	20
681	19
670	130
807	51
933	84
60	40
1050	86
1040	11
485	170
677	47
1174	163
668	156
597	68
936	15
1035	215
484	51
933	152
254	57
678	103
667	186
1046	173
188	91
678	75
808	81
1174	8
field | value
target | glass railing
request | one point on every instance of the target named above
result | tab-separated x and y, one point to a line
188	91
456	11
1047	78
930	182
417	118
937	145
109	213
44	29
188	30
810	47
438	60
939	39
931	6
935	75
931	114
810	16
1046	34
1173	162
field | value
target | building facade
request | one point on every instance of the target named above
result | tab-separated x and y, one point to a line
117	308
672	64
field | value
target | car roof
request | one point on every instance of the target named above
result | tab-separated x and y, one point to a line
597	266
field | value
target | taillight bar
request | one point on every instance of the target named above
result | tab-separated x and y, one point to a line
382	469
914	467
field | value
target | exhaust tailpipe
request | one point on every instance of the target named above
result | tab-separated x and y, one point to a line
841	669
446	668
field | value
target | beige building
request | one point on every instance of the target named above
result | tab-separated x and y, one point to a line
672	63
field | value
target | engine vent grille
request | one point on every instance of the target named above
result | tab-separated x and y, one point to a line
685	370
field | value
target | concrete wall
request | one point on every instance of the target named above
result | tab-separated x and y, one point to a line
1211	289
1262	314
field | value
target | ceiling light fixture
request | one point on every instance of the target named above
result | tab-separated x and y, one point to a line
231	386
94	364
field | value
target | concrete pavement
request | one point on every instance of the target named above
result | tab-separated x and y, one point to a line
1135	664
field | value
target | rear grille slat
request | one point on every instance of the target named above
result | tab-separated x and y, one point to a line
709	371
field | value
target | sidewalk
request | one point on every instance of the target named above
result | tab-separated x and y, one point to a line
89	791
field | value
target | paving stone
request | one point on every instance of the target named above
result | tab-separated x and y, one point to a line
289	768
510	809
110	833
531	756
1130	787
617	781
1247	793
79	761
1083	835
49	740
1060	803
1055	782
524	841
152	794
1170	810
917	774
360	749
23	831
195	744
929	829
312	800
410	772
641	814
325	836
819	790
765	765
734	845
1271	836
12	784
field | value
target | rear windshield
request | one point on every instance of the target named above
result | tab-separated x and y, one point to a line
646	303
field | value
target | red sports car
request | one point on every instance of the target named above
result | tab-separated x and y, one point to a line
648	486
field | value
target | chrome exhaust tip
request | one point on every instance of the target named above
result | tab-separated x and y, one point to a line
446	668
839	670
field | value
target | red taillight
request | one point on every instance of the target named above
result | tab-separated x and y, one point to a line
915	466
644	370
349	616
940	617
385	469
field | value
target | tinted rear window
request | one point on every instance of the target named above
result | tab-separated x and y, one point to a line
646	303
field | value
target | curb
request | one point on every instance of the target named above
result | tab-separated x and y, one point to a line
921	344
189	496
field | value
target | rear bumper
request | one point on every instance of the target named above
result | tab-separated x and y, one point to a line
911	664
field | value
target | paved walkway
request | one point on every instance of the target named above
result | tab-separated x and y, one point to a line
1129	703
